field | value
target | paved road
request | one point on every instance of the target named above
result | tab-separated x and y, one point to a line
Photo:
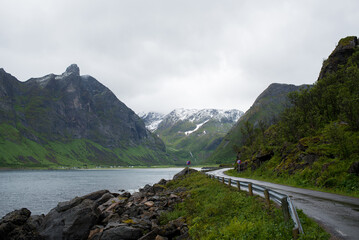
338	214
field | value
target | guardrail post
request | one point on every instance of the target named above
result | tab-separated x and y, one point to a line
239	185
295	233
223	180
250	190
229	182
266	196
285	208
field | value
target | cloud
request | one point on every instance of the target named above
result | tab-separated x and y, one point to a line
159	55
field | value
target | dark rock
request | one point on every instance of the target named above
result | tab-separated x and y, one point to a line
63	206
126	195
122	232
147	188
95	195
339	56
36	220
162	182
72	223
16	225
17	217
104	198
183	173
73	68
151	235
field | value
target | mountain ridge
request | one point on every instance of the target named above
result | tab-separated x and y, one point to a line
265	110
192	133
67	107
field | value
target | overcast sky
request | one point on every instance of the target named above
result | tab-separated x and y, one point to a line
161	55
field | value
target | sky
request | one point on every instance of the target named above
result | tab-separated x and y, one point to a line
158	55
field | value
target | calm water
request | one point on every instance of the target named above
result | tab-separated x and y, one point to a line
40	191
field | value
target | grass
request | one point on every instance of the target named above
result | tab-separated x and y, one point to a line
17	152
295	181
215	211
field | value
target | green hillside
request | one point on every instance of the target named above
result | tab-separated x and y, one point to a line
70	120
196	146
316	141
17	151
262	113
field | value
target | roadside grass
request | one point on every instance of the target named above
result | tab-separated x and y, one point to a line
293	181
215	211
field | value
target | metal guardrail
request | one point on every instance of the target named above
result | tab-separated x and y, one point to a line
283	200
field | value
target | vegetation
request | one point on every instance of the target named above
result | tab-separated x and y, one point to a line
17	151
316	142
196	146
214	211
264	111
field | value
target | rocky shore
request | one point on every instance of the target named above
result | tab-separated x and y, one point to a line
103	215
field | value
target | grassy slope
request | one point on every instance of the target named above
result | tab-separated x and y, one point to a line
316	143
329	172
17	151
214	211
199	144
266	108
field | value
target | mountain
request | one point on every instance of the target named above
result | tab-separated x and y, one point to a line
192	134
264	112
315	143
70	120
151	119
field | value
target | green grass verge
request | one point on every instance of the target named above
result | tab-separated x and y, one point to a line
294	181
215	211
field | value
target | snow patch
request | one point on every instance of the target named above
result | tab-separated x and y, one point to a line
197	127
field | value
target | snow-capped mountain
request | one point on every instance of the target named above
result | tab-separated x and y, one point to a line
151	119
154	121
192	133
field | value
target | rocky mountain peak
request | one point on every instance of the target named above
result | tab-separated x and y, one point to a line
339	56
73	68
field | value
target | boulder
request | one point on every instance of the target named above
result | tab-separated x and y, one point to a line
183	173
74	222
18	225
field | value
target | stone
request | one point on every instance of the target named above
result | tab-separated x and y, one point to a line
162	182
18	225
104	199
94	232
17	217
122	232
73	68
173	195
72	223
149	204
183	173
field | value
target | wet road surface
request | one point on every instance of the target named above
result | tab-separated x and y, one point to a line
338	214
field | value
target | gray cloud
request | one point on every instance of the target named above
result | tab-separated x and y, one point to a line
159	55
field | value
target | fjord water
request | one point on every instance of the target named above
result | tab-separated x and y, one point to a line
41	190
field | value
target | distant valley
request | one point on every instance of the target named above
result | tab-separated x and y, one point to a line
191	134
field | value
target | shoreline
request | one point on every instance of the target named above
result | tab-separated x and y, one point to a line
103	215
